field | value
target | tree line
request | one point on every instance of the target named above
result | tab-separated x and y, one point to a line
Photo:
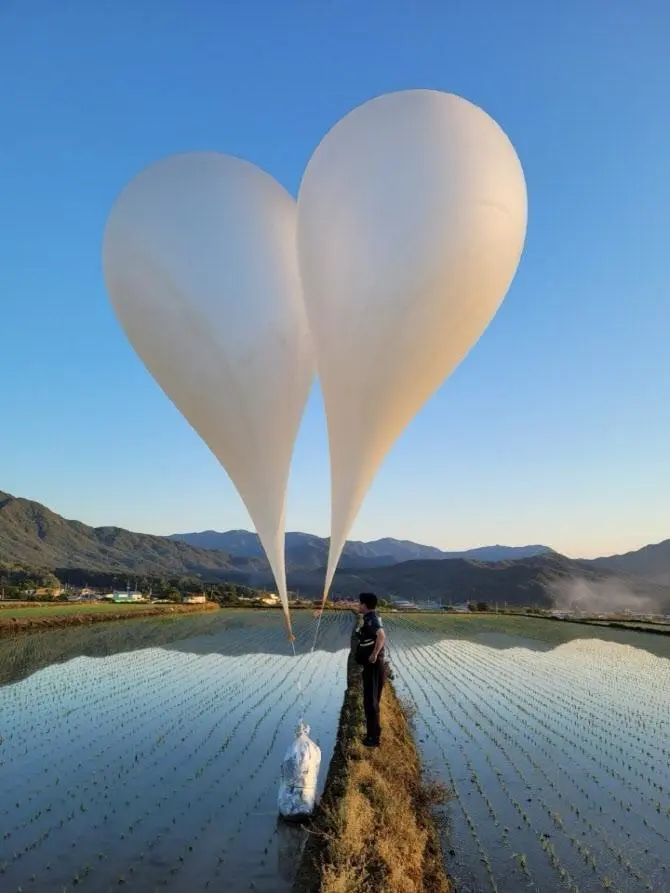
20	581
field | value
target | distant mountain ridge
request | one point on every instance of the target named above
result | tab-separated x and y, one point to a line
32	535
651	562
304	548
545	580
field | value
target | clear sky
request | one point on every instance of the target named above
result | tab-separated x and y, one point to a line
556	428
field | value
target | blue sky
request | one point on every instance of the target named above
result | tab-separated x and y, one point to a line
555	429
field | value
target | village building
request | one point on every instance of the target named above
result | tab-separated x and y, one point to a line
119	597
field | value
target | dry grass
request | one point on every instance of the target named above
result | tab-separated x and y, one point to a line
374	831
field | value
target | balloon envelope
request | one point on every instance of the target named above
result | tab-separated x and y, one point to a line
200	263
411	224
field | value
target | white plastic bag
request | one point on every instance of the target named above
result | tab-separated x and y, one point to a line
299	776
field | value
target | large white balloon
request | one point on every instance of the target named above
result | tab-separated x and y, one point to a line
411	223
200	263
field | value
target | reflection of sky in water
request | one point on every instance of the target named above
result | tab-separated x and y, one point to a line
597	678
569	743
160	765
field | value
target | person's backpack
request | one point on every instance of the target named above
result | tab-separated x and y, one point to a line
364	649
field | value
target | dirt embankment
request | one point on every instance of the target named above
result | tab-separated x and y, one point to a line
11	626
374	830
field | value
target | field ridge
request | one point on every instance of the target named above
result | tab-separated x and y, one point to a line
374	829
40	620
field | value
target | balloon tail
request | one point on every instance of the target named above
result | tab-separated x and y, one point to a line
289	630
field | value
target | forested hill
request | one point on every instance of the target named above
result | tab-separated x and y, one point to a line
33	535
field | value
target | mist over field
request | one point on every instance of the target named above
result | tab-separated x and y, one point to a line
599	597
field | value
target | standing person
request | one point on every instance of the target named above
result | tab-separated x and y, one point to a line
370	654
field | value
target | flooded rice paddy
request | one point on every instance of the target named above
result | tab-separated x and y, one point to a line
145	755
157	768
556	741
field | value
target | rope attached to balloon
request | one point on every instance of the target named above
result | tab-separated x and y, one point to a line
300	697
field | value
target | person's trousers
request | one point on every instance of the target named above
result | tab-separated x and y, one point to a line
374	676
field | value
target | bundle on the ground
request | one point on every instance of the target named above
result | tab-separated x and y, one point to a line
299	776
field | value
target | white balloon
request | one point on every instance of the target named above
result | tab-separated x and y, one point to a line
200	263
411	224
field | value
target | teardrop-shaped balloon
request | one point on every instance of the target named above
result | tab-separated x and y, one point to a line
411	223
200	263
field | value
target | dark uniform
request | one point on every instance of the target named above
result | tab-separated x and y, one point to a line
374	675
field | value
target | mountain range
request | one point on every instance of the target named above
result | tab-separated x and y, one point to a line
306	550
33	535
651	562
